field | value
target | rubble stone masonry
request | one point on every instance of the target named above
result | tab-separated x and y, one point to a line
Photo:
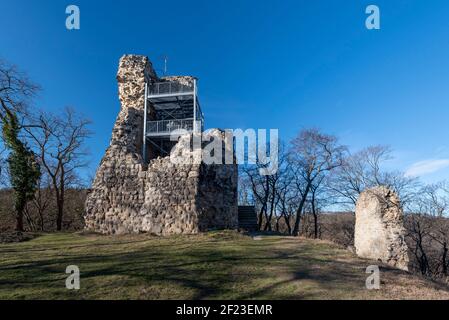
379	228
162	198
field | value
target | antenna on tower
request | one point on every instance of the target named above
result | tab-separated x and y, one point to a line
165	64
163	70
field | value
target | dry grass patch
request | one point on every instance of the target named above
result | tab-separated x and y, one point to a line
215	265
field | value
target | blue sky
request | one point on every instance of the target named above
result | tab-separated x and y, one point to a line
277	64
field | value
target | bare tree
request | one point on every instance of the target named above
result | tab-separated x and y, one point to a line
440	235
36	209
437	203
419	232
244	191
316	200
313	154
363	170
428	230
16	92
24	172
270	192
287	196
259	186
278	183
59	143
358	172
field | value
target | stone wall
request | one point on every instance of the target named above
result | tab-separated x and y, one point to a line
160	197
379	228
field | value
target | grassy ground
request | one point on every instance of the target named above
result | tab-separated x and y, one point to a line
218	265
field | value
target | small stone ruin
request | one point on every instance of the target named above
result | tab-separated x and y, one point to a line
379	228
131	195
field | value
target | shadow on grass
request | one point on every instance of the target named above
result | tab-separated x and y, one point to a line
206	270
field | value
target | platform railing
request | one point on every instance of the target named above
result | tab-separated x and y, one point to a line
169	87
168	126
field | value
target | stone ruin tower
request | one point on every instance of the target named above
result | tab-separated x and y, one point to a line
379	228
137	187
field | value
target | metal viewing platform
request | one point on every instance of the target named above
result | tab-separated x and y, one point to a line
169	106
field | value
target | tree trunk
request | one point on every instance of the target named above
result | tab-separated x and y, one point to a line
20	208
19	220
60	205
444	259
268	226
423	261
60	208
263	210
41	217
315	218
29	220
261	217
299	211
60	201
287	222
